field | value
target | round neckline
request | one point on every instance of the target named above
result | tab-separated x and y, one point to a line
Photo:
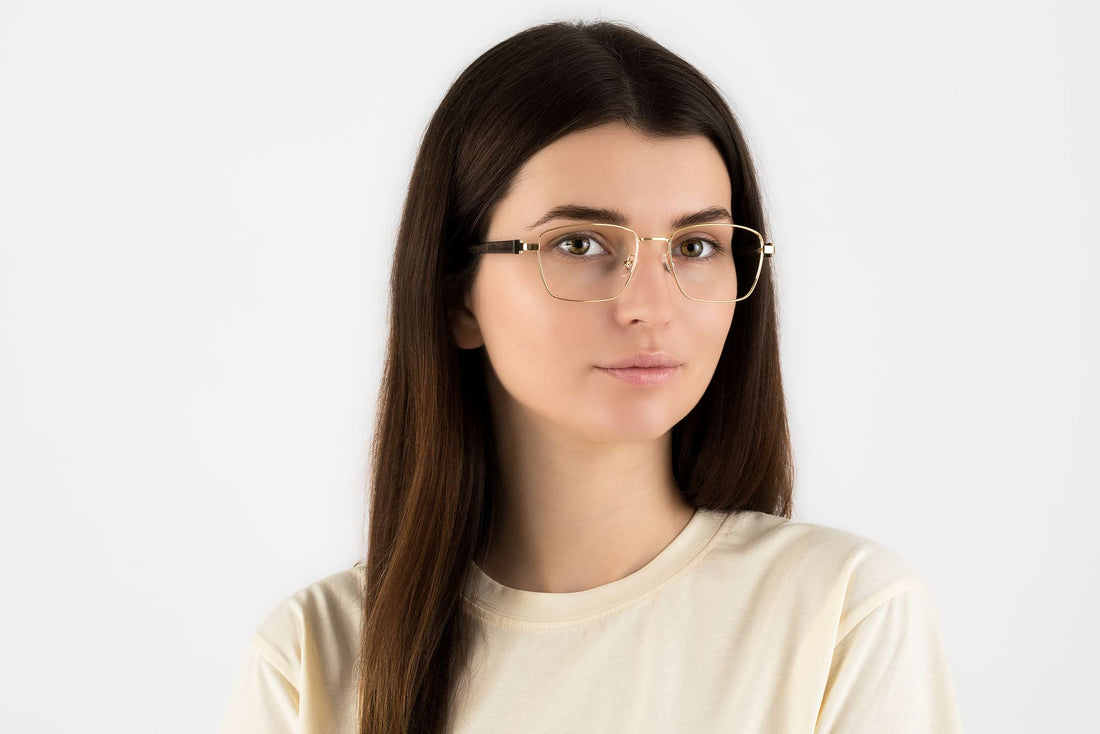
510	606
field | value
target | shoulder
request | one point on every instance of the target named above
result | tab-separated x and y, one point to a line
824	567
313	626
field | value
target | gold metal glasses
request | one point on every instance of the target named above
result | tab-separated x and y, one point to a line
716	262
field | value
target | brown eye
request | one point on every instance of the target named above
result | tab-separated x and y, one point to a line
577	244
695	246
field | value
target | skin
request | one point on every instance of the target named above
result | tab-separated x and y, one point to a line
585	459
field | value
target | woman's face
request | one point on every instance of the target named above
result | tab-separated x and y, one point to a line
544	352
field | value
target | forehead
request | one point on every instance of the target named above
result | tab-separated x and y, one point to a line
651	179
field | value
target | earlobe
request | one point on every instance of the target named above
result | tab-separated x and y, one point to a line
464	327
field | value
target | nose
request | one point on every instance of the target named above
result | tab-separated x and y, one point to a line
655	260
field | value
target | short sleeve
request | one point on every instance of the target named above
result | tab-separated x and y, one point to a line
889	673
263	699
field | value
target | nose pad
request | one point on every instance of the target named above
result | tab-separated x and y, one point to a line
629	263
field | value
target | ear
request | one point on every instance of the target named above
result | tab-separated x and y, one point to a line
463	323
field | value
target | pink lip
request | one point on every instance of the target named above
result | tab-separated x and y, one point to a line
642	375
643	359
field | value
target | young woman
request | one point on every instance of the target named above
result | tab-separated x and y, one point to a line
581	476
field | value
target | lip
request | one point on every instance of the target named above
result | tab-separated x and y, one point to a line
642	375
643	359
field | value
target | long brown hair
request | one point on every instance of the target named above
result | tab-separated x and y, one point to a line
434	480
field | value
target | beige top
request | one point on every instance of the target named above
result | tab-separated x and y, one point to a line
745	622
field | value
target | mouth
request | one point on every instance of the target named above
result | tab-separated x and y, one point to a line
641	375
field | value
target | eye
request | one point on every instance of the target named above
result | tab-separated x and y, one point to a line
691	247
574	244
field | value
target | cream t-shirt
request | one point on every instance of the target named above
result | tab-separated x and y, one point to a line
745	622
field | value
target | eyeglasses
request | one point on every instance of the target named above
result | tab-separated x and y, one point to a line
589	262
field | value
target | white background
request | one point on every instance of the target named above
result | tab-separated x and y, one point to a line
197	204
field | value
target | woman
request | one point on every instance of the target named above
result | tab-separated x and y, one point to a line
582	477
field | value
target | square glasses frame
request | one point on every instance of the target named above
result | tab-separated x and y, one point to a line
515	247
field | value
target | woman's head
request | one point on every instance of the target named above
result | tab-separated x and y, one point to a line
595	114
544	353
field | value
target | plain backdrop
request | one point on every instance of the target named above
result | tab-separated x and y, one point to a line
198	202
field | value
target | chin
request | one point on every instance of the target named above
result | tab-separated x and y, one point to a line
625	422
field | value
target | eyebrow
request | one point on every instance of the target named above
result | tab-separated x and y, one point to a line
614	216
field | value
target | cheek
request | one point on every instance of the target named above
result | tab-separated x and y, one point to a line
543	352
710	335
708	339
537	344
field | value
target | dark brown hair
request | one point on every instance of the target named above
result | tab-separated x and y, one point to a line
434	481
